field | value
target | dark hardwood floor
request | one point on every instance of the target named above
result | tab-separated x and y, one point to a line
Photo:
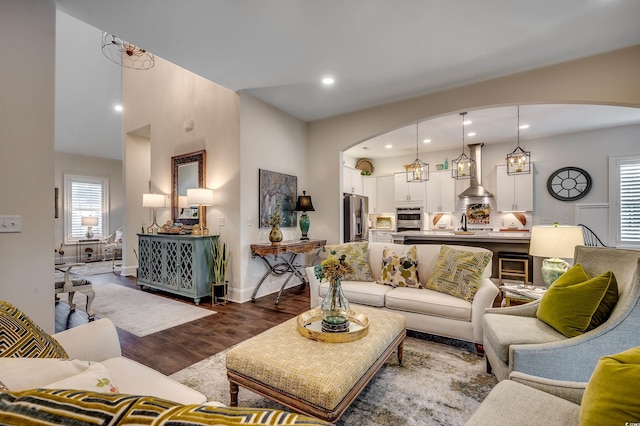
173	349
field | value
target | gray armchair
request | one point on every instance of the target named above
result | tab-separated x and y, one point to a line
515	340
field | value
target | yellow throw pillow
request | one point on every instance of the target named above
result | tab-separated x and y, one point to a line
357	255
458	272
571	302
23	338
611	396
400	271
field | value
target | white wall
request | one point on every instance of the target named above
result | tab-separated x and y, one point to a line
275	141
27	46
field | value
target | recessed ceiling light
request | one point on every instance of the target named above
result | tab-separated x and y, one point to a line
389	146
524	126
118	108
467	122
328	81
427	141
471	134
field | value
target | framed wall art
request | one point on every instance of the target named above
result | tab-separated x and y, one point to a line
277	189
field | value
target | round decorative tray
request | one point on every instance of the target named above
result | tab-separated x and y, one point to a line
310	326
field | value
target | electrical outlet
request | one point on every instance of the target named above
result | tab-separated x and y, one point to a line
221	221
249	221
10	223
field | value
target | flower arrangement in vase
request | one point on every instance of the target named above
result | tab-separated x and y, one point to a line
275	220
334	306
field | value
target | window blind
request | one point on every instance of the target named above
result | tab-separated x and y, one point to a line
629	214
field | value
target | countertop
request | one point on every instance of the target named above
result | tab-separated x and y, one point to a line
478	236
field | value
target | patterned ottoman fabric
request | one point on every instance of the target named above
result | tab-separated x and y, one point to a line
62	406
318	373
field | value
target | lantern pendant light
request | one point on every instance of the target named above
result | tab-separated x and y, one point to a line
418	171
519	160
463	166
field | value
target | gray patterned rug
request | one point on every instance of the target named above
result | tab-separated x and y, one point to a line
438	384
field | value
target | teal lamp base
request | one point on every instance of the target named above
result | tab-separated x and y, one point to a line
552	268
304	225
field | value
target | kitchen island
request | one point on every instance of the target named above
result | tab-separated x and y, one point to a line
495	241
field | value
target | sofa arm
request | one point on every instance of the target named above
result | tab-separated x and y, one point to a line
95	341
571	391
483	299
314	284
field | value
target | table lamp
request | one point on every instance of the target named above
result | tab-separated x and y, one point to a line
200	197
154	201
89	222
555	243
304	205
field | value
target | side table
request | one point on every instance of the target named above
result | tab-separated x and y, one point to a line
516	294
283	260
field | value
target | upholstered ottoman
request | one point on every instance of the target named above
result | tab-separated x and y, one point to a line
315	378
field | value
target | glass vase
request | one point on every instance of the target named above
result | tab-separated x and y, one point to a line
335	309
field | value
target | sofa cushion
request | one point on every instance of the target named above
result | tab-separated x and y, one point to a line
95	378
571	302
360	292
428	302
356	254
21	337
501	331
611	396
458	272
400	270
30	373
58	406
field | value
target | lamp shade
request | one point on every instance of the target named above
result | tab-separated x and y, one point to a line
89	221
304	203
154	200
200	197
182	201
555	241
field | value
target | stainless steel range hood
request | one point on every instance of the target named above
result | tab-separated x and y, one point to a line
476	193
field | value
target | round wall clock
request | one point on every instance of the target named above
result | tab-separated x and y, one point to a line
569	184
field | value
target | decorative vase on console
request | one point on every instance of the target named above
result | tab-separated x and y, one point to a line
275	235
334	306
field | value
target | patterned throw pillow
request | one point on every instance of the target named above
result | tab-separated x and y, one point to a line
58	406
400	271
357	256
21	337
458	272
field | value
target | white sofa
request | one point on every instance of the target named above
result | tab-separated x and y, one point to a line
96	341
426	311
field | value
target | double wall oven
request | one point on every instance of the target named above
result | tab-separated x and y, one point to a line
409	219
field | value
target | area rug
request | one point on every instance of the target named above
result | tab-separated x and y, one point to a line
438	384
139	312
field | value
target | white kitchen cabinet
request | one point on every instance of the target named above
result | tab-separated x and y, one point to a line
441	192
376	236
370	190
386	199
408	192
515	192
351	181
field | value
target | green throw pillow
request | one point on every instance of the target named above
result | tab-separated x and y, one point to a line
357	255
573	300
458	272
23	338
400	271
611	396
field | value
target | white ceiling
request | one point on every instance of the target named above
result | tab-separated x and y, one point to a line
378	50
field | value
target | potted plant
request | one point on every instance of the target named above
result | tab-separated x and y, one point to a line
218	262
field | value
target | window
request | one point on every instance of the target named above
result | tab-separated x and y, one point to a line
85	196
624	193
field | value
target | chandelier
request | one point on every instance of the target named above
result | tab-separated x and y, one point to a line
418	171
518	161
126	54
463	166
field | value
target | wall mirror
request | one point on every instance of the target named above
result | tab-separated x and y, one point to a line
187	171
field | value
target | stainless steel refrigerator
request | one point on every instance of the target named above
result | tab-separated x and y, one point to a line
356	218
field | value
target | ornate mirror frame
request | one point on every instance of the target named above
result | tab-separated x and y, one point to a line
198	159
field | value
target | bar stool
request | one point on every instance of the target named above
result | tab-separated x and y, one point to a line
506	261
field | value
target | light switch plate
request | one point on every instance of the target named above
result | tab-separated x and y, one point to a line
10	223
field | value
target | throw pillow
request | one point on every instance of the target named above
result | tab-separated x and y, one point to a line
21	337
357	255
95	378
31	373
400	271
571	302
611	396
61	406
458	272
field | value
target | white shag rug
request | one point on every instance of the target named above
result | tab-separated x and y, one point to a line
137	311
438	384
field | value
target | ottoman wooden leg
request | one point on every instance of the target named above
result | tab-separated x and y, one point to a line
400	352
233	392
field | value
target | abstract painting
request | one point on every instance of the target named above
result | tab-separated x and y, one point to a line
277	189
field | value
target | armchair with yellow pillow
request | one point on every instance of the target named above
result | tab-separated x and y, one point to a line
593	310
